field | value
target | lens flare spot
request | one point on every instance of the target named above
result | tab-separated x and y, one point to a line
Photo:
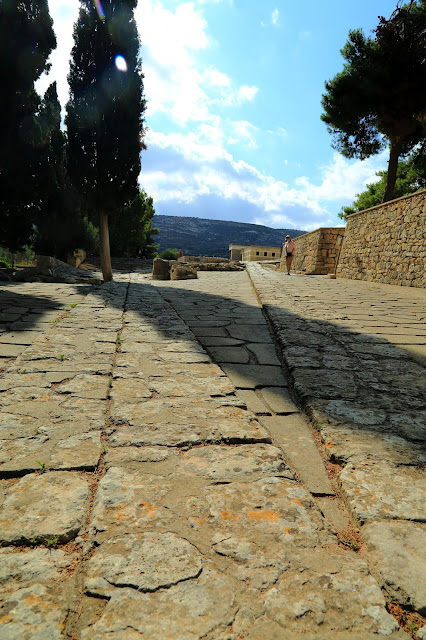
120	63
99	9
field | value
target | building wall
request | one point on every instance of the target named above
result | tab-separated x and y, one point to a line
258	253
235	251
387	243
316	251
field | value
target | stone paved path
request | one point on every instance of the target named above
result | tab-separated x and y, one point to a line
148	492
348	348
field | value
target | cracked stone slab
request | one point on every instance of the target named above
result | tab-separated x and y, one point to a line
10	381
137	561
85	386
20	455
187	385
235	463
344	443
212	341
128	390
398	552
323	383
248	376
172	434
132	457
37	611
328	593
196	609
29	566
354	413
239	355
265	512
294	437
265	353
18	337
174	421
127	501
40	506
253	401
10	350
98	365
380	490
278	399
246	333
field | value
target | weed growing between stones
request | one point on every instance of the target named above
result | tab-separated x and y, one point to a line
351	540
42	466
409	621
51	541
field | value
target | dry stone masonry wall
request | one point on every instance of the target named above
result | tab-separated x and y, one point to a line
317	251
387	243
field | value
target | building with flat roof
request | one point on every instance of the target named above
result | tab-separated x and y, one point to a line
253	253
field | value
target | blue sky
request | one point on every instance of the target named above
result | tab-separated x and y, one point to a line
234	102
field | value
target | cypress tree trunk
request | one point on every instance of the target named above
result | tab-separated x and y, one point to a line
104	246
395	150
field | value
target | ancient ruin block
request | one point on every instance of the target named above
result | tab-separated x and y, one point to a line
180	272
161	269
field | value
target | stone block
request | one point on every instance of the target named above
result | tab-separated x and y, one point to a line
161	269
180	272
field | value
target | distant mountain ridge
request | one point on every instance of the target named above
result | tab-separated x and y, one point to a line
202	237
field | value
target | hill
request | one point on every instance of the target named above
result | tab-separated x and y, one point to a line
201	237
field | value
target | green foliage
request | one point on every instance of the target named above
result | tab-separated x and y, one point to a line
411	176
26	41
51	541
169	254
379	97
131	233
104	113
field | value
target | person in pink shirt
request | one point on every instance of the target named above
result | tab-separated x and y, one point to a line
290	250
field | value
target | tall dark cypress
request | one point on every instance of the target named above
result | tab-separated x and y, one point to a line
105	111
26	41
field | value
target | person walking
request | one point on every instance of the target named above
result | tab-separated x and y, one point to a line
290	250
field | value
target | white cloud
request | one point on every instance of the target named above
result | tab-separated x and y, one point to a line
275	18
207	169
243	132
216	78
342	179
176	83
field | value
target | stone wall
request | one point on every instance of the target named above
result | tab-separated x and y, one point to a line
317	251
202	259
387	243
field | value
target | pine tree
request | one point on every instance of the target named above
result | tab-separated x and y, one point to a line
26	41
104	113
132	233
379	98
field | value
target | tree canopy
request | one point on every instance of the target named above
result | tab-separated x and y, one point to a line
132	233
379	98
410	177
26	41
105	111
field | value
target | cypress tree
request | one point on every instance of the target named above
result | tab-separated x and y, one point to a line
105	111
26	41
